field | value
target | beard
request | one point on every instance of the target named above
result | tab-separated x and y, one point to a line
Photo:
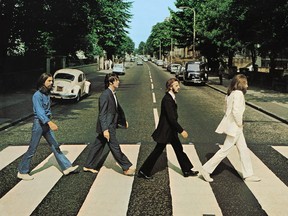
174	91
45	90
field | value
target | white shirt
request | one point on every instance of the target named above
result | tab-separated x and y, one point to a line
114	96
173	95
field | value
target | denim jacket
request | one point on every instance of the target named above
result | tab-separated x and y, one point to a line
41	107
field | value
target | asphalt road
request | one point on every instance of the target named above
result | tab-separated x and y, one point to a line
200	109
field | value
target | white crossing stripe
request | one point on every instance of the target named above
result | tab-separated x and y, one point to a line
110	192
282	150
156	117
192	195
11	153
27	195
153	97
271	192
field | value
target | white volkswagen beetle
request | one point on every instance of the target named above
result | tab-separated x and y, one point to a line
70	84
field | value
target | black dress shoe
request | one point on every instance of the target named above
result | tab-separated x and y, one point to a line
143	175
190	173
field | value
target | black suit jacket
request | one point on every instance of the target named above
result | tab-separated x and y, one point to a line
168	126
110	115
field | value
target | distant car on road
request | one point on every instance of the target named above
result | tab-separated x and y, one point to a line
195	72
180	73
118	69
174	68
70	84
139	62
159	62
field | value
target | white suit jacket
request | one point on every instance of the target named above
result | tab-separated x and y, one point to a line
232	122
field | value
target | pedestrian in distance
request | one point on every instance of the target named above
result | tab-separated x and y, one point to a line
111	116
221	70
43	126
232	126
167	132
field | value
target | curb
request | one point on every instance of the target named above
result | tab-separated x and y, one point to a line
5	126
253	106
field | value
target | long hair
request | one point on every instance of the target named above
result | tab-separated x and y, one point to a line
170	82
238	83
42	79
110	78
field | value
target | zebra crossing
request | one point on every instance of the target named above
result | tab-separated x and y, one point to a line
110	192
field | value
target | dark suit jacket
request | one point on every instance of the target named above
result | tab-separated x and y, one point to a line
168	126
110	115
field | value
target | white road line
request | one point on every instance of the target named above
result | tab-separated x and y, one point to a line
151	80
282	150
152	86
27	195
156	117
110	192
11	153
271	192
153	97
192	195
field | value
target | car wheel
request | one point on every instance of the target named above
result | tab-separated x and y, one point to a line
77	99
89	90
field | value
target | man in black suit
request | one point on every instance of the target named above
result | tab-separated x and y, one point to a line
167	132
111	116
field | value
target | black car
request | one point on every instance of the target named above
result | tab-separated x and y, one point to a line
195	72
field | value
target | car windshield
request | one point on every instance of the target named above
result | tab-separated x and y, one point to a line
175	66
64	76
193	67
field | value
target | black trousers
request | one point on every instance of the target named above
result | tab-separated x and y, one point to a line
96	149
182	158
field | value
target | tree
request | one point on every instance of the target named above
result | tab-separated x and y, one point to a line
142	48
160	35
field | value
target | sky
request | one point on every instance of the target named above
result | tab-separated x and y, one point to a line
146	14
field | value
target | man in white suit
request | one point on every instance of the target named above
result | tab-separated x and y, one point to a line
232	126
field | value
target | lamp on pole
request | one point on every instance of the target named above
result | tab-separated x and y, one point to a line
194	25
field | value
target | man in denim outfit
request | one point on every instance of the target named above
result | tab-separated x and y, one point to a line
43	126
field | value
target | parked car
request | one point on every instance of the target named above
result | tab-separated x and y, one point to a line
180	73
70	84
159	62
174	68
195	72
165	64
169	67
118	69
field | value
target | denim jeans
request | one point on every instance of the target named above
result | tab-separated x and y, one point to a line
39	130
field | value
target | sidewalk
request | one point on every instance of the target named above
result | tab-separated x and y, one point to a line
16	107
270	102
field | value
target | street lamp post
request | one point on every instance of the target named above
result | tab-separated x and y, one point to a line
194	26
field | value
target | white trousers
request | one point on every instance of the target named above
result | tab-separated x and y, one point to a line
230	141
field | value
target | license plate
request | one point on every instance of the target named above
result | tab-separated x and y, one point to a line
59	88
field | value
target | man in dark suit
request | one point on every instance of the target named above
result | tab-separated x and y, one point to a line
111	116
167	132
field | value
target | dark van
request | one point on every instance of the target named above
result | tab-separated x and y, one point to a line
195	72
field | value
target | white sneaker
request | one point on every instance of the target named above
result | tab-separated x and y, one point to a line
70	170
26	176
252	178
206	176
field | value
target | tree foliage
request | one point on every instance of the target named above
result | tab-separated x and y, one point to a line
46	27
226	27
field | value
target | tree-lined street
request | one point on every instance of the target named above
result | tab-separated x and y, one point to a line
200	110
